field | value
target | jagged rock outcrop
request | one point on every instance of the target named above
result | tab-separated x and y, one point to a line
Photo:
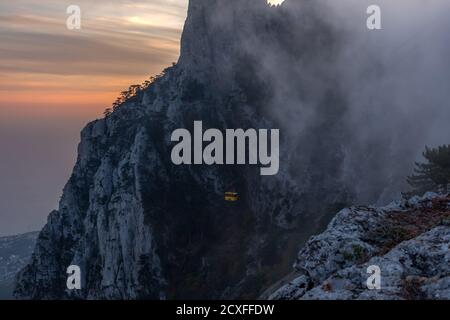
15	253
408	240
141	227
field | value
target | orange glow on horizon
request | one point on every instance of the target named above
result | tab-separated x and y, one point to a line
48	71
68	102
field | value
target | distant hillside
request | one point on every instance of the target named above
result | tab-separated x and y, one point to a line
15	252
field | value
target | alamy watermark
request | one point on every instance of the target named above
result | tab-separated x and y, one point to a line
374	19
73	22
74	277
374	280
236	146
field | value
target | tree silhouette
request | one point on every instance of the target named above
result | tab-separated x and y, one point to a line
133	91
434	173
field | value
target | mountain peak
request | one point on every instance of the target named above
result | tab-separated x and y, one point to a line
213	27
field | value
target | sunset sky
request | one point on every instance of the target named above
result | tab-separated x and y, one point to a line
48	70
54	80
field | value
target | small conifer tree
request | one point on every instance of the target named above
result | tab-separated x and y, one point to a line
434	173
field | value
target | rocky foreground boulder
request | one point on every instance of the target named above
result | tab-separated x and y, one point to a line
408	240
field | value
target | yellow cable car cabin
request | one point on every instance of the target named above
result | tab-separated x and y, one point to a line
231	196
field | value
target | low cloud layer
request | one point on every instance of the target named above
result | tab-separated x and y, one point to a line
376	96
396	79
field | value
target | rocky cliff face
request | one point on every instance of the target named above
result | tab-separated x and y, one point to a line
408	240
15	253
141	227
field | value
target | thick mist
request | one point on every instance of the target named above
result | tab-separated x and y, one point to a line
372	99
396	79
